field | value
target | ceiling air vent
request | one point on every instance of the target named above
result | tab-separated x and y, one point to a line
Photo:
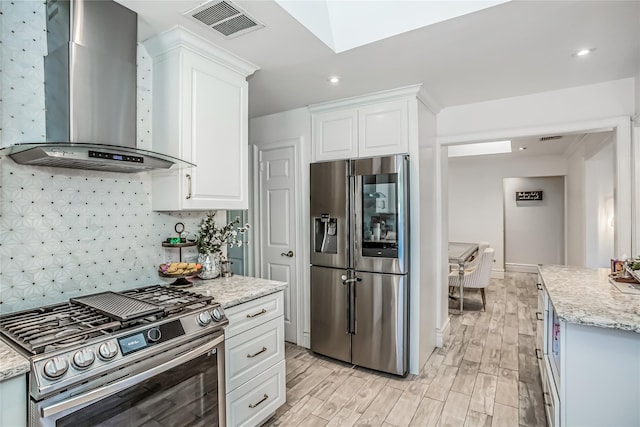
550	138
225	17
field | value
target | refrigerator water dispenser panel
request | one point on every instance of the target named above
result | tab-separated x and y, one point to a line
326	234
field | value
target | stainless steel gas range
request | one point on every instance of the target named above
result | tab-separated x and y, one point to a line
147	356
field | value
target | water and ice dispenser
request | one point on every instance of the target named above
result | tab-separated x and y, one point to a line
326	234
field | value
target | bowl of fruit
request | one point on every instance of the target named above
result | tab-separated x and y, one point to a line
179	271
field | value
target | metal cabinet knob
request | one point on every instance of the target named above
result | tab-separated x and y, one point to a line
287	254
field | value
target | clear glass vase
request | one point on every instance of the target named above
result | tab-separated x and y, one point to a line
210	265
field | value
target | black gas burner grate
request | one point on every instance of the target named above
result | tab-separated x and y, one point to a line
54	326
43	329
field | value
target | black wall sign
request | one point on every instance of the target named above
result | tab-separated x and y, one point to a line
528	195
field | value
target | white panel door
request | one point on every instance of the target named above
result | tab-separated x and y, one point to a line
277	227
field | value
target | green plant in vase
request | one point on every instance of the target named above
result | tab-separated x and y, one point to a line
210	239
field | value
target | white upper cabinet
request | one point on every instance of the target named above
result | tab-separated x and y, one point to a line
335	135
383	129
199	114
374	125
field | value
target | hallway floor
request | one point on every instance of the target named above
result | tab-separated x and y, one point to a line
486	375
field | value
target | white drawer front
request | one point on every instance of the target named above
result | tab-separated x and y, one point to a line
251	403
253	313
253	351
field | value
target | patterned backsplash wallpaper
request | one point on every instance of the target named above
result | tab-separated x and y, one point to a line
67	232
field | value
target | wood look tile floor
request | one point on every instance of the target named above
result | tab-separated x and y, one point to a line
485	375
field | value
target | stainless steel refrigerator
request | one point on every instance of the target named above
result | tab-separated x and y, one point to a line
360	261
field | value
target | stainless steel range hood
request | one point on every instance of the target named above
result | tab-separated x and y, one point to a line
90	92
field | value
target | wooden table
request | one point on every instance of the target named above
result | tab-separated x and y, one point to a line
461	253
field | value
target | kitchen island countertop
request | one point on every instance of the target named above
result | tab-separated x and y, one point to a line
230	291
12	363
585	296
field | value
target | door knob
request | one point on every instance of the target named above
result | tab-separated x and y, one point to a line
288	254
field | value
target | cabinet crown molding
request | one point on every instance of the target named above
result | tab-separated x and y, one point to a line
179	37
372	98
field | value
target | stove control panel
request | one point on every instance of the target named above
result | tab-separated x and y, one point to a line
149	337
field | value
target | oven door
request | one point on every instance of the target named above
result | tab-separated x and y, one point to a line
181	386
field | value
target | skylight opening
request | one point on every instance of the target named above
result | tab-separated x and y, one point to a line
480	148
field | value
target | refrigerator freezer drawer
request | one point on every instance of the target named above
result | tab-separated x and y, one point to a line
380	331
329	313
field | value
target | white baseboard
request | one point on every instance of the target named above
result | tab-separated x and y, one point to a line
521	268
306	340
442	334
497	274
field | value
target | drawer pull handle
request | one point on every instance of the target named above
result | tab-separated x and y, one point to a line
537	354
255	354
539	316
253	405
261	312
539	286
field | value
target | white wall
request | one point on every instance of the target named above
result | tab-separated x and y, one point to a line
476	195
577	203
599	208
534	229
425	301
636	168
516	116
272	129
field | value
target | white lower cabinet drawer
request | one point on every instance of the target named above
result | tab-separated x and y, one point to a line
251	403
550	397
250	314
253	351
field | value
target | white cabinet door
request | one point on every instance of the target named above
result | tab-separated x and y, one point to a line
214	136
383	129
199	114
335	135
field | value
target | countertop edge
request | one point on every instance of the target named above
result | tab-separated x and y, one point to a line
569	312
12	363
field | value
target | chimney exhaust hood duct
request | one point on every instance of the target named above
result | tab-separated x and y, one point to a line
90	92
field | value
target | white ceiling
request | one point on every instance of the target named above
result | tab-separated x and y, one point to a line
512	49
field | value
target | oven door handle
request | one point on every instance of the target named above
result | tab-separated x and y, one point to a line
99	393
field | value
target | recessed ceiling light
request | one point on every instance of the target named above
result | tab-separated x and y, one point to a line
584	52
334	80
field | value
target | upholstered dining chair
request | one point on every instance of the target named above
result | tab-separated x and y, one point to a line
478	277
474	262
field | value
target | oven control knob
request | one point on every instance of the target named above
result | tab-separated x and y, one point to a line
82	359
154	334
55	368
217	314
204	318
107	350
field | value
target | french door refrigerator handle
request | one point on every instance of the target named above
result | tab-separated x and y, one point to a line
346	282
352	304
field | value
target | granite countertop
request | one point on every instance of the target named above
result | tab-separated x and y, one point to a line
585	296
230	291
12	363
